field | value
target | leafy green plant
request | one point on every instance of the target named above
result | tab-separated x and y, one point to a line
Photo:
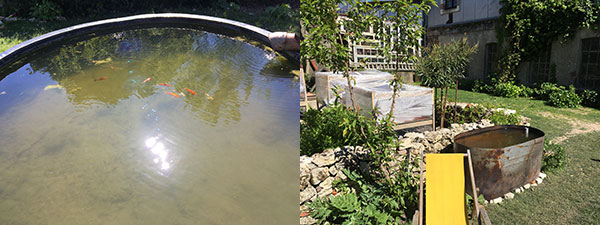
543	92
528	27
46	10
363	200
564	98
507	89
590	98
470	114
501	118
554	157
338	126
482	87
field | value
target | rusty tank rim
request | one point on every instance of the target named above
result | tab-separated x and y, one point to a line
499	127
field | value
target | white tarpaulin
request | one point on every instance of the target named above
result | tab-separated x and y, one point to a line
372	91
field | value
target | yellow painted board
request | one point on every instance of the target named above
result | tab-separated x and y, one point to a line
445	189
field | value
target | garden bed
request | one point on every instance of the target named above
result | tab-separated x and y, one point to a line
318	171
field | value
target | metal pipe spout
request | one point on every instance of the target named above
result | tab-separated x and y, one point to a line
284	41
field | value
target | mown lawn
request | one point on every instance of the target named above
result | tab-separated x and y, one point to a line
569	196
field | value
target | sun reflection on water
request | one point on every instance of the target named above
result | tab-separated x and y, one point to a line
160	151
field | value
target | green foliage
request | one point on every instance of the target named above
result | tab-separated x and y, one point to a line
46	10
337	126
554	157
590	98
481	87
371	202
501	118
327	129
468	114
528	27
545	89
444	64
325	41
508	90
564	98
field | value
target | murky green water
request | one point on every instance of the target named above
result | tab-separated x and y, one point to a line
84	140
499	138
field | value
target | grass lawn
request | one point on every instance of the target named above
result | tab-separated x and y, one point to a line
569	196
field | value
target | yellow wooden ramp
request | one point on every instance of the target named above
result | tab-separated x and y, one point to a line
445	189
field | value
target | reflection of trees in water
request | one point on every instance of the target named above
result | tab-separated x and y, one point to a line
221	67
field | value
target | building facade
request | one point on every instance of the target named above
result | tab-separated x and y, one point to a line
576	62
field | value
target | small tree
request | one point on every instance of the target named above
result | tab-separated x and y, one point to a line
443	66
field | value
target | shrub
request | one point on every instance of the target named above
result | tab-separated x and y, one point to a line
501	118
543	92
324	129
508	90
554	157
527	91
564	98
481	87
46	10
590	98
371	202
337	126
468	114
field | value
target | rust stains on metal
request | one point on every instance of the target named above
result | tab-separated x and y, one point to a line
499	170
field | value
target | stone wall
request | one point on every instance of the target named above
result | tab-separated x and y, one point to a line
317	172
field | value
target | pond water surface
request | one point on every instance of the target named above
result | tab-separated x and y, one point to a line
150	126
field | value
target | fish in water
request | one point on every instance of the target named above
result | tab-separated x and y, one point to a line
147	79
164	84
193	92
98	62
100	78
53	87
3	93
209	97
172	94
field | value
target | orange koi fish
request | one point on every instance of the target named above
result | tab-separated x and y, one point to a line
172	94
193	92
209	97
303	214
100	78
147	79
164	84
333	192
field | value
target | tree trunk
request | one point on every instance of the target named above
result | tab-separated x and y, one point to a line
444	97
455	99
347	75
395	85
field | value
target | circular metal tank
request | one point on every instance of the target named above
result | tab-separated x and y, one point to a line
504	157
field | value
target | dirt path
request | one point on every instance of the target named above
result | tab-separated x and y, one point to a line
577	126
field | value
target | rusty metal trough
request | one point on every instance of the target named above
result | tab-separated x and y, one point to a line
504	157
